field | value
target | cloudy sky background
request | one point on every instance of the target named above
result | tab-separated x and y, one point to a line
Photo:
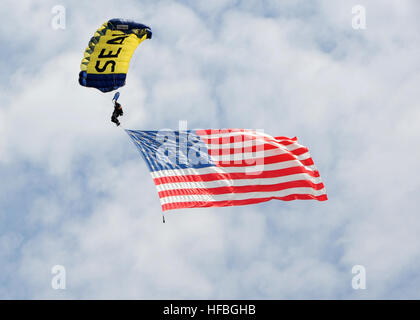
75	192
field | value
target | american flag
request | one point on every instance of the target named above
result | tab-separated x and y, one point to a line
230	167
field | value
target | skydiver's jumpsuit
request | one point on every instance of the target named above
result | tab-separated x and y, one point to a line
118	111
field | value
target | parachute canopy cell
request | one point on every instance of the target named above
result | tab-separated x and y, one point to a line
106	59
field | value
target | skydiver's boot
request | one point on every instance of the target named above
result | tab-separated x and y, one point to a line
114	119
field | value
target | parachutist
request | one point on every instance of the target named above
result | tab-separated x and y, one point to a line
118	111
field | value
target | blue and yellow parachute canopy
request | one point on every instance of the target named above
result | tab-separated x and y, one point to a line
107	57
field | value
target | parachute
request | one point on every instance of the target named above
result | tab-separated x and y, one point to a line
106	59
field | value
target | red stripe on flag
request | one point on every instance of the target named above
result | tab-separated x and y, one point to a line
235	175
228	203
243	138
220	131
260	161
256	148
210	132
223	151
242	189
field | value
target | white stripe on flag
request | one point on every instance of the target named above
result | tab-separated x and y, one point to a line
214	169
241	196
236	183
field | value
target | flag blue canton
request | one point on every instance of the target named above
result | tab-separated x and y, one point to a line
169	150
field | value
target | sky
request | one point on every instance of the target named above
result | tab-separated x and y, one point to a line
74	191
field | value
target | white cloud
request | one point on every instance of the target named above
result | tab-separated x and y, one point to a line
75	191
